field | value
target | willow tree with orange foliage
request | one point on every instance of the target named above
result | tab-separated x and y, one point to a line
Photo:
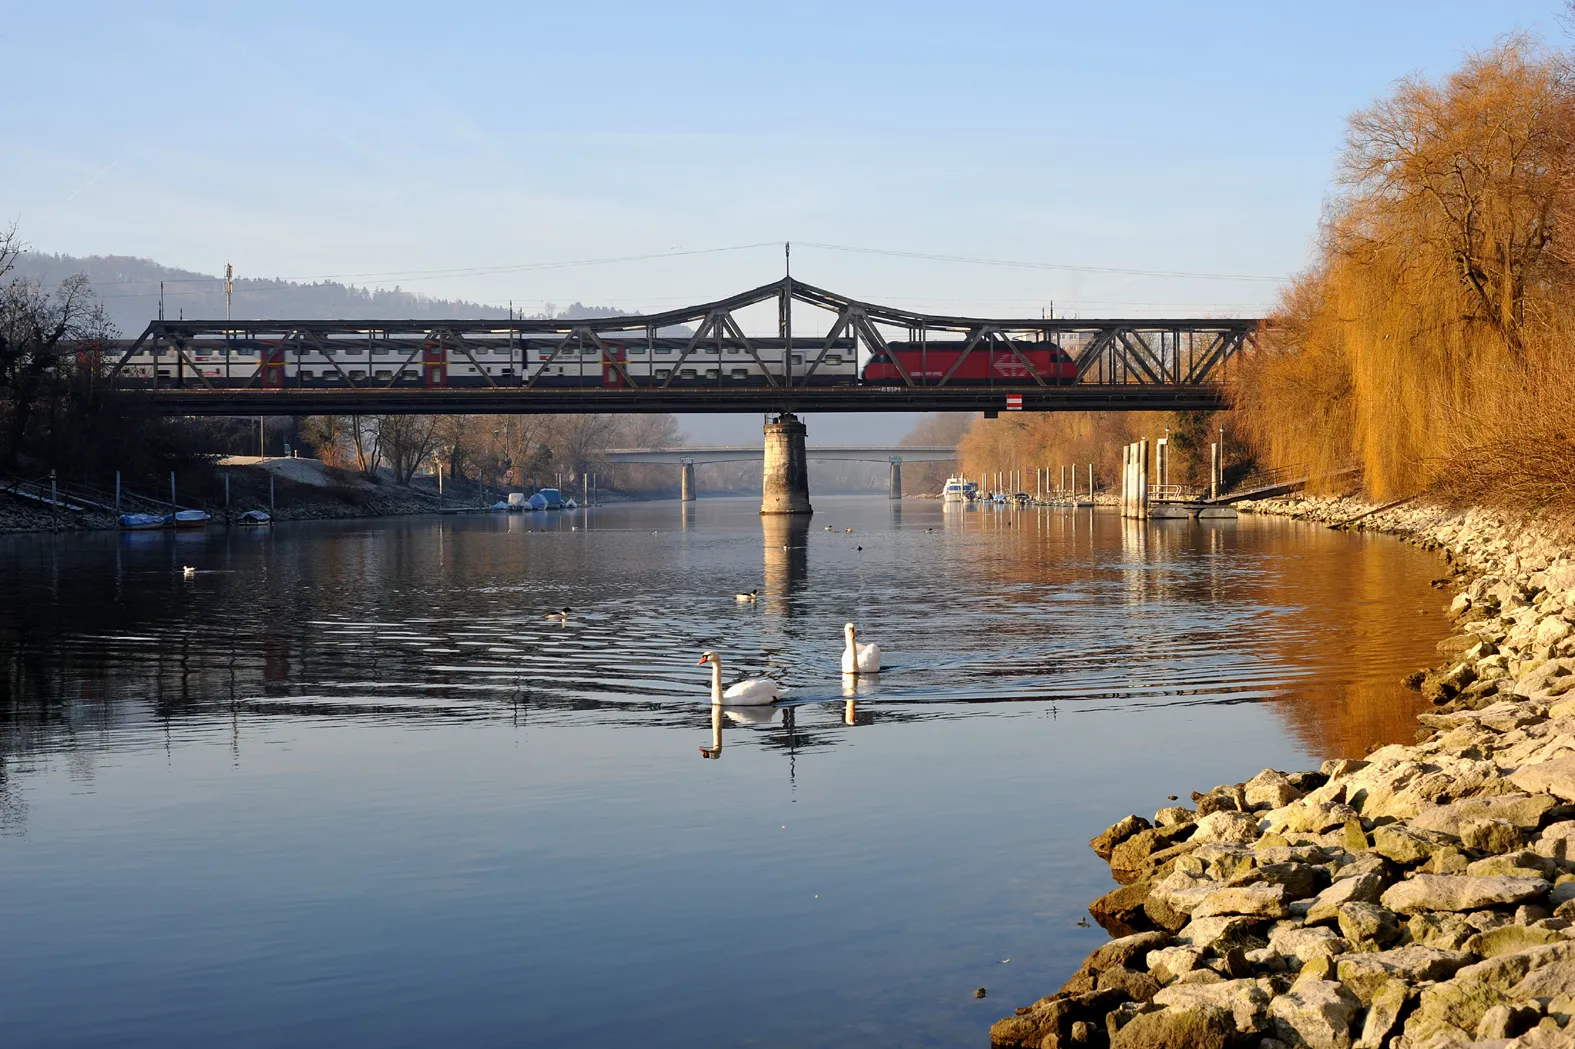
1429	338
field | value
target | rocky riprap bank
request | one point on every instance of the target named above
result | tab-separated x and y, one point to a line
1419	898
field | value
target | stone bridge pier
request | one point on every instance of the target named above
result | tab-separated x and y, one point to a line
687	483
894	483
785	475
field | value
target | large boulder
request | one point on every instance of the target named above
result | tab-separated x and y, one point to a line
1246	1000
1456	892
1191	1027
1362	888
1263	901
1120	911
1556	777
1315	1014
1104	843
1270	789
1365	974
1458	1004
1523	810
1226	826
1048	1022
1305	943
1368	925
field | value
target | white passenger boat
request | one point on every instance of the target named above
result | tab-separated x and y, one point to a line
956	490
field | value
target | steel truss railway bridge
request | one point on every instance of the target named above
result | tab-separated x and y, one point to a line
188	367
1122	364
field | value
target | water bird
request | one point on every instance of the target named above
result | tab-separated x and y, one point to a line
561	616
752	595
857	658
1082	923
757	691
188	571
850	531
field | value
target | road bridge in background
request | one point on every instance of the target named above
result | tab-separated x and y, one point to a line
747	453
689	458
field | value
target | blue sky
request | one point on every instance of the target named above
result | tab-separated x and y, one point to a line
401	143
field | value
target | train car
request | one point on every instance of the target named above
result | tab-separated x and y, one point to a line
494	360
993	365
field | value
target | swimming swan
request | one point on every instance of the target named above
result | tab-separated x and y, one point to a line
754	692
857	658
188	571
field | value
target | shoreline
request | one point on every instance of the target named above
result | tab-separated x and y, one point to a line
1419	898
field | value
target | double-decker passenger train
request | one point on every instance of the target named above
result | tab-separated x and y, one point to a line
337	361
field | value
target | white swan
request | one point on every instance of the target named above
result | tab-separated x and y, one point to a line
188	571
754	692
752	595
857	658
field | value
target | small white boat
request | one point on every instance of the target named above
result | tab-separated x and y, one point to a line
192	518
956	490
570	504
255	517
143	522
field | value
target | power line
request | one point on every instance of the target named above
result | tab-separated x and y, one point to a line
1043	265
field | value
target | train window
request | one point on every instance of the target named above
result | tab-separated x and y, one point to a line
664	349
382	351
384	373
687	373
833	359
662	373
637	351
880	358
713	373
734	350
331	376
798	358
357	373
739	373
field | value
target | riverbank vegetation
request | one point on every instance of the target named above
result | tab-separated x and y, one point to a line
1432	340
1429	343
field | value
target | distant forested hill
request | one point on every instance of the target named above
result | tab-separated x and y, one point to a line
129	290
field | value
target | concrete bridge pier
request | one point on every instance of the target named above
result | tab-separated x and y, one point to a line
894	485
785	476
687	485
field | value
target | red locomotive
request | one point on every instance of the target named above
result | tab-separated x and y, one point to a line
985	365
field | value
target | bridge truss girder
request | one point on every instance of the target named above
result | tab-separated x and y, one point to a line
1163	352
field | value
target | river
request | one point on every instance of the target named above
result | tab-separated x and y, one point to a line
345	785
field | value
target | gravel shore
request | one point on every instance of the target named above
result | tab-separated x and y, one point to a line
1419	898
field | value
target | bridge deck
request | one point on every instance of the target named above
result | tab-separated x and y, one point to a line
549	400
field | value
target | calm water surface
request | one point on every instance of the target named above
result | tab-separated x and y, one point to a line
346	786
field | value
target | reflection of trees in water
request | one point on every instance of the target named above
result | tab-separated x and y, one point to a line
1340	606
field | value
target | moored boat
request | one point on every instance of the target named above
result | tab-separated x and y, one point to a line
956	490
191	518
255	517
143	522
546	499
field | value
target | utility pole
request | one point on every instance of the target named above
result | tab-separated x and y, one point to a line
229	286
787	312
